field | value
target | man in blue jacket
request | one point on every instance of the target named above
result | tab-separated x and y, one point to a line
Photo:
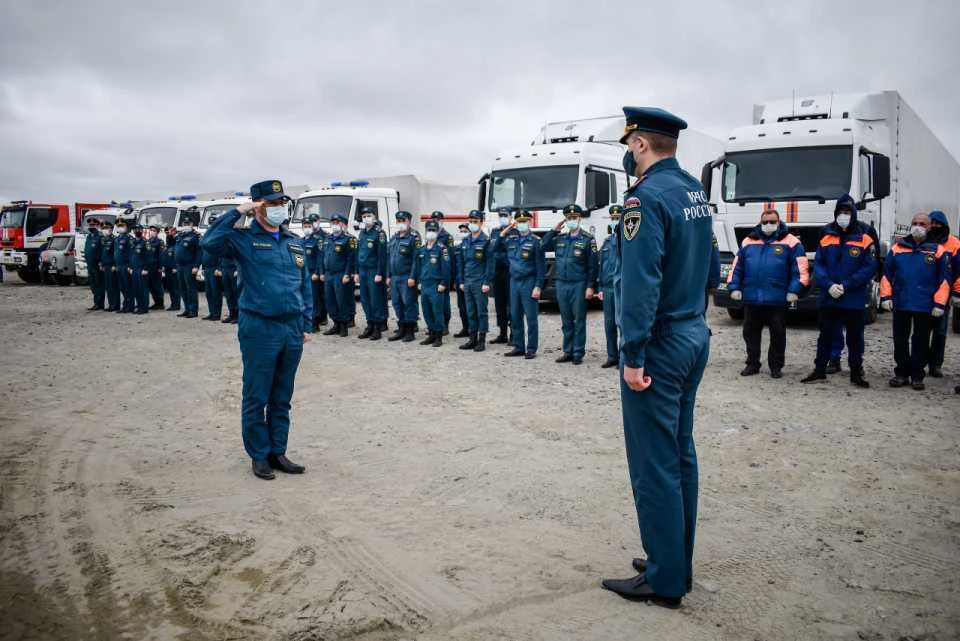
527	270
916	288
276	312
607	266
844	267
769	272
187	254
476	264
403	248
372	278
337	267
92	255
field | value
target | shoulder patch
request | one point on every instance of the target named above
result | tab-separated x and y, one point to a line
631	223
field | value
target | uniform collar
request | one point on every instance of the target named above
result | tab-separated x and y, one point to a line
662	165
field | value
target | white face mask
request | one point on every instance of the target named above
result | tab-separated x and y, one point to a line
504	222
918	232
843	221
307	231
368	222
276	215
402	227
431	236
121	230
336	228
573	225
523	228
473	227
769	228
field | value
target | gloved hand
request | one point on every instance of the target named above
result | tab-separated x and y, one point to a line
937	312
887	305
792	298
836	290
736	295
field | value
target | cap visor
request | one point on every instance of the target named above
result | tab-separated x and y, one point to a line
272	197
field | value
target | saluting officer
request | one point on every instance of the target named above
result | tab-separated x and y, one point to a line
168	261
108	263
153	281
501	275
403	248
212	288
476	265
275	314
445	239
92	256
313	238
608	264
431	270
527	271
122	248
372	265
665	242
138	260
576	278
337	267
188	254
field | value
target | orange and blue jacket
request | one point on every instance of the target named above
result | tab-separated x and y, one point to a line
916	276
845	258
952	246
767	268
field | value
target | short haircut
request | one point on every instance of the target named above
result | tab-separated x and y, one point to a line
770	211
659	143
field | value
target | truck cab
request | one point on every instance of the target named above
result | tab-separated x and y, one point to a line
168	213
347	199
799	157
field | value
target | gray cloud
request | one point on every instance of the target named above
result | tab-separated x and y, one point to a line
115	100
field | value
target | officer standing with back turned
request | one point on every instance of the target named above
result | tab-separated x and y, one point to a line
276	312
665	242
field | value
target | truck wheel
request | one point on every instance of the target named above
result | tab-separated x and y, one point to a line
63	281
28	275
736	313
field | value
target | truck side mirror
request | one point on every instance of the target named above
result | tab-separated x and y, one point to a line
597	190
881	176
482	192
706	178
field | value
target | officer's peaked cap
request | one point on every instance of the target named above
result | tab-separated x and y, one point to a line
269	190
403	215
652	119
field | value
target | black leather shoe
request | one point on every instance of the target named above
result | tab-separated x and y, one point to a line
750	370
173	309
431	336
397	335
776	373
814	376
343	329
640	565
514	352
334	329
833	367
481	343
261	469
899	381
858	380
577	360
564	358
637	589
501	338
367	332
190	315
377	333
935	372
463	333
918	385
94	308
229	319
182	314
157	306
610	362
530	355
282	463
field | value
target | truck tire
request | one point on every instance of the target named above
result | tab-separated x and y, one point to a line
79	282
736	313
28	275
63	281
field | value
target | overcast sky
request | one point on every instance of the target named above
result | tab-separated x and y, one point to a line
102	100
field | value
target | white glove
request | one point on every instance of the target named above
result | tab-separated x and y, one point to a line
792	298
887	305
836	290
937	312
736	295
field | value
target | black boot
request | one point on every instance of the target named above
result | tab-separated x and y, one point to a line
856	378
833	366
334	329
400	333
816	375
431	336
501	337
343	329
375	336
481	343
438	339
367	332
470	344
463	333
409	329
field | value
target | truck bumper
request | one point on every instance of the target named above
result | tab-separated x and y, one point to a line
13	258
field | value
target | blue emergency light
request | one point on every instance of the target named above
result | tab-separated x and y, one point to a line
359	183
171	197
336	183
240	193
188	197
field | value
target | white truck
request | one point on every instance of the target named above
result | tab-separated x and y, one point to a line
112	214
801	154
574	162
168	213
387	195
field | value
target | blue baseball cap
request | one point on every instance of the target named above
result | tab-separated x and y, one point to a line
269	190
652	119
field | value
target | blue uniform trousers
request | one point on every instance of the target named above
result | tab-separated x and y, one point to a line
477	302
319	302
522	306
141	289
231	290
501	296
339	298
832	320
938	339
610	323
404	300
126	287
271	349
446	307
373	297
836	347
432	302
462	309
213	290
188	288
172	283
658	430
155	284
573	316
95	281
111	283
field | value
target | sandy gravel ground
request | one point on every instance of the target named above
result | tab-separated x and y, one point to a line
451	495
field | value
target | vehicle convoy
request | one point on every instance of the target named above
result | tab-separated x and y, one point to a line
25	227
57	261
386	195
574	162
800	155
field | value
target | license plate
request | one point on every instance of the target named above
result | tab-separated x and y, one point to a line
52	270
16	259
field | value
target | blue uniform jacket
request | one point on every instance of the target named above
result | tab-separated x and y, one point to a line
432	266
107	245
403	252
845	258
122	246
501	260
575	256
168	258
311	245
916	276
227	264
152	253
666	243
372	250
607	264
188	249
273	271
525	253
91	248
339	255
477	261
767	268
138	253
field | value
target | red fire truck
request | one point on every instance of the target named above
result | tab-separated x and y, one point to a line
26	226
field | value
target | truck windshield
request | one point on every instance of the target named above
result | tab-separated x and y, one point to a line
111	218
798	173
213	210
12	218
534	187
60	243
322	206
159	216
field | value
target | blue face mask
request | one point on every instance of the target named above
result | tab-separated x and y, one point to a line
276	215
629	164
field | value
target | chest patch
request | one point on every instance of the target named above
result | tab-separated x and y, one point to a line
930	259
854	252
778	249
